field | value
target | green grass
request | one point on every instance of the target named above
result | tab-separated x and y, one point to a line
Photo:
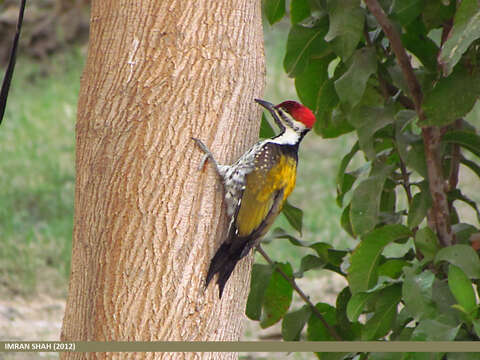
37	173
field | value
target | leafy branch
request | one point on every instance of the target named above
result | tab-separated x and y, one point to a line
299	291
403	80
431	134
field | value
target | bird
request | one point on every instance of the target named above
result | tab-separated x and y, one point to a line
257	185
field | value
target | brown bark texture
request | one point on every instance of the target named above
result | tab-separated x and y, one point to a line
147	221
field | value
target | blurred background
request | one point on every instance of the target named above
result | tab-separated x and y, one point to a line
37	174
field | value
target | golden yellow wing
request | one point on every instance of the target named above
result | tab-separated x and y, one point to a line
264	195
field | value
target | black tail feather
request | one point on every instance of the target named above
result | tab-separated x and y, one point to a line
224	275
223	264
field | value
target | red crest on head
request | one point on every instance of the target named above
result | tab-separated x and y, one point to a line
299	112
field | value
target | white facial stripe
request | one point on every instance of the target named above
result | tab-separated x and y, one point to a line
289	137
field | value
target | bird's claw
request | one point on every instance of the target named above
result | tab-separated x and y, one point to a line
201	145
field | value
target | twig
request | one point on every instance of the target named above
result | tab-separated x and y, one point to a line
431	134
299	291
406	182
454	161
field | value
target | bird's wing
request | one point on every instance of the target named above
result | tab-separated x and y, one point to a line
261	202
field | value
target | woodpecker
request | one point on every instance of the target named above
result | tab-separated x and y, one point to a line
257	185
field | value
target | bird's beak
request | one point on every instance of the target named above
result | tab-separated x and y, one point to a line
271	108
265	104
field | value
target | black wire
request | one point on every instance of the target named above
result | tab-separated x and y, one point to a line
11	63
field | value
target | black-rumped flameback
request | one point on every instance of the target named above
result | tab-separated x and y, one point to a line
257	185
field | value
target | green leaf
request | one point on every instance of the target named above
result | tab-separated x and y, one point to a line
293	323
405	11
463	232
453	97
345	161
331	122
422	47
402	138
398	80
463	356
363	270
392	268
465	30
399	331
277	297
309	83
381	323
444	301
367	121
467	139
357	304
436	13
427	243
416	159
350	87
417	293
299	10
345	221
346	26
316	331
476	326
345	180
316	91
309	262
274	10
388	200
294	216
366	198
461	288
302	44
346	329
365	204
347	183
261	275
280	233
266	130
435	330
321	248
335	256
421	202
462	256
386	356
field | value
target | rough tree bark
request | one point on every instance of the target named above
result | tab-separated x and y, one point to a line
147	221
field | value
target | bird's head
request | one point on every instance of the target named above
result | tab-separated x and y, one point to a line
290	115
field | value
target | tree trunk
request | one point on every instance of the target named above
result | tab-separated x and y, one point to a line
147	221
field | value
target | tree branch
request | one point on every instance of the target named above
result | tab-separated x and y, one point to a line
431	134
304	297
400	53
